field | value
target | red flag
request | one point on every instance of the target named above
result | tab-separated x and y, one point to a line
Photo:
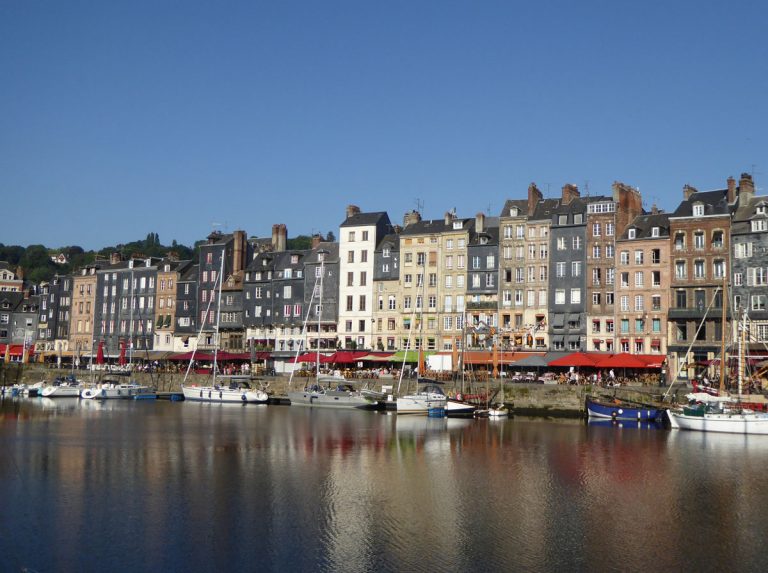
100	353
121	361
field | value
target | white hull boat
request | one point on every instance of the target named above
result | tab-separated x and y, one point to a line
222	394
736	422
114	392
62	391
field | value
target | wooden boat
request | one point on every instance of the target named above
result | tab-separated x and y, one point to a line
621	410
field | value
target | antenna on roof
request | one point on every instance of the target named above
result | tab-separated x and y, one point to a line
586	188
214	225
419	205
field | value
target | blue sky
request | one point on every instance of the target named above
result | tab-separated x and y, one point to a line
122	118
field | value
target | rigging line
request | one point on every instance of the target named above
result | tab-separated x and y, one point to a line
200	333
410	332
695	336
304	331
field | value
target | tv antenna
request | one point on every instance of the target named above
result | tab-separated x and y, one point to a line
419	205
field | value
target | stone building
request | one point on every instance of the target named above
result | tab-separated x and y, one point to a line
359	235
83	308
169	272
513	280
642	306
700	242
386	274
607	218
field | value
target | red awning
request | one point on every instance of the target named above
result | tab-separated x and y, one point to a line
16	350
575	359
622	360
312	358
201	356
347	356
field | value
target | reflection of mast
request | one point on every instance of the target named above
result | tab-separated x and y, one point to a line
321	255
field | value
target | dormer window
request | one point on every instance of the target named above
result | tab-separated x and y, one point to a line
514	212
632	233
760	225
385	252
760	209
654	232
698	209
457	224
294	259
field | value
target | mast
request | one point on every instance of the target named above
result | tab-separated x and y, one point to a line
723	361
218	314
321	255
130	328
742	337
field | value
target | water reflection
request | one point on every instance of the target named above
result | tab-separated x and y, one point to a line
219	486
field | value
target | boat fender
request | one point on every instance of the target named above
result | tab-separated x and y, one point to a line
242	397
201	393
221	395
459	396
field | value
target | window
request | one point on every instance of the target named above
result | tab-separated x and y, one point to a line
518	297
681	272
576	243
679	241
758	302
632	233
681	299
759	225
596	298
596	277
531	251
654	231
656	302
350	303
655	256
624	280
624	257
595	326
609	227
561	243
560	269
624	325
698	240
576	268
717	239
743	250
609	251
639	303
578	219
718	268
656	278
638	257
575	296
560	296
698	269
596	229
596	252
562	219
656	325
698	209
639	280
624	302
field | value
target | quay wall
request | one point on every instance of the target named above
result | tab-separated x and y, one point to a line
523	399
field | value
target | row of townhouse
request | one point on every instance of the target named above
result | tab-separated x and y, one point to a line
592	273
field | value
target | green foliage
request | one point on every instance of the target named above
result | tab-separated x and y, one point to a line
37	266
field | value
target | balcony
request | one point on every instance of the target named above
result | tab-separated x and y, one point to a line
482	305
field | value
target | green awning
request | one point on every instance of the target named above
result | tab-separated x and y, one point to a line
409	356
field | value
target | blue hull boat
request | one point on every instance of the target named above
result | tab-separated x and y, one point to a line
619	410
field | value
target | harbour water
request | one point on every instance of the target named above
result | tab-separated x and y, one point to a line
162	486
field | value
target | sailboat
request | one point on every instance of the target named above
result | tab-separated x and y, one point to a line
327	391
238	390
429	396
721	413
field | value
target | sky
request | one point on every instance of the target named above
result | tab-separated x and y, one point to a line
118	118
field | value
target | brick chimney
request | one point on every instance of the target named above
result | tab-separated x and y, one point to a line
746	186
279	237
238	255
316	240
629	204
411	217
654	209
731	193
115	258
480	223
570	192
352	210
689	190
534	196
448	218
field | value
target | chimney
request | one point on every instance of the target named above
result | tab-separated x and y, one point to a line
316	240
115	258
688	190
746	186
654	209
480	223
352	210
448	218
238	256
411	217
629	204
172	256
279	237
570	192
397	229
534	196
